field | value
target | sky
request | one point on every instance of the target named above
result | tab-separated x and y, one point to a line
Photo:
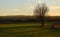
26	7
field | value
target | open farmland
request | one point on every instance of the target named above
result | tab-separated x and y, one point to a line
27	30
28	26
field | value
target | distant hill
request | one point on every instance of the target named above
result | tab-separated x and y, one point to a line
29	17
26	18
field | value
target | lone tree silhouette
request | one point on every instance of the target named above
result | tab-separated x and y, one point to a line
40	12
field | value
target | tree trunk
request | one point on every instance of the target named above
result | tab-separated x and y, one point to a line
42	21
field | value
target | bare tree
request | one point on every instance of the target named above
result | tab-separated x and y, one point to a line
40	12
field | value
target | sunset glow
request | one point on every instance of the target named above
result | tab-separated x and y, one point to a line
26	7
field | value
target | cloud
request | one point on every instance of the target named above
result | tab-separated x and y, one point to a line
39	1
54	11
54	7
10	9
4	12
24	8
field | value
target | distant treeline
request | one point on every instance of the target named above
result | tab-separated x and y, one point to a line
19	19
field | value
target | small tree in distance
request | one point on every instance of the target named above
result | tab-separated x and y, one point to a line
40	12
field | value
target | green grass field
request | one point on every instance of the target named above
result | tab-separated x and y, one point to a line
27	30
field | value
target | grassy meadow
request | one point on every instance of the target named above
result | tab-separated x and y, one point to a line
27	30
